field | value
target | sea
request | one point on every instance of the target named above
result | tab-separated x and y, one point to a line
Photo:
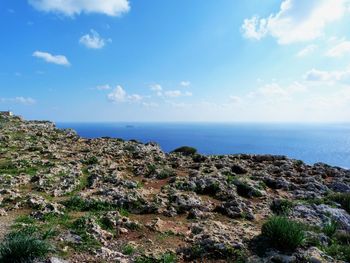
311	143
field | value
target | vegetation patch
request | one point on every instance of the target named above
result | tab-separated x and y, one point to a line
343	199
281	207
91	160
76	203
283	233
166	173
185	150
164	258
21	247
245	190
128	249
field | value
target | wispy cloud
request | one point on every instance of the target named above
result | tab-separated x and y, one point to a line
93	40
342	76
49	58
18	100
176	93
296	21
185	83
74	7
307	51
104	87
339	49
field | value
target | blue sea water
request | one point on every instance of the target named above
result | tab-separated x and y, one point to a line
328	143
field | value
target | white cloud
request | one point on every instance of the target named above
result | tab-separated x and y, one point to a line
150	104
306	51
55	59
296	21
76	7
173	93
18	100
254	28
119	95
156	87
93	40
342	77
317	75
135	97
185	83
177	93
104	87
339	50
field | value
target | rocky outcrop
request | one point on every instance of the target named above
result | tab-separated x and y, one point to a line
114	200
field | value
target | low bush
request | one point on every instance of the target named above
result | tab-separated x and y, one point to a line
281	206
185	150
165	173
283	233
245	190
19	248
330	228
128	249
341	252
91	160
77	203
343	199
165	258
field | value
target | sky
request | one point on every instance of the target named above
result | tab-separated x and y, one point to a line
176	60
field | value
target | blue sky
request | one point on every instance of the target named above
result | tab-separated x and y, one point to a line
176	60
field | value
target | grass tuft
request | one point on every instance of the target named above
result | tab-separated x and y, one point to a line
283	233
343	199
19	248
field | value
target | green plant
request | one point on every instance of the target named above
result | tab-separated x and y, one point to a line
283	233
341	252
91	160
165	173
164	258
80	227
20	248
281	206
77	203
343	199
128	249
330	228
245	190
185	150
168	258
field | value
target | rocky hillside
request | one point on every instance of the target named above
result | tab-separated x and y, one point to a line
64	198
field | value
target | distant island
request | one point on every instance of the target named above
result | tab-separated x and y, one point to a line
65	198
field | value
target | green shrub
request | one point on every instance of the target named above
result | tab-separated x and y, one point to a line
128	250
245	190
165	173
165	258
151	169
282	233
80	227
343	199
185	150
21	248
91	160
340	252
168	258
281	206
77	203
342	237
330	228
